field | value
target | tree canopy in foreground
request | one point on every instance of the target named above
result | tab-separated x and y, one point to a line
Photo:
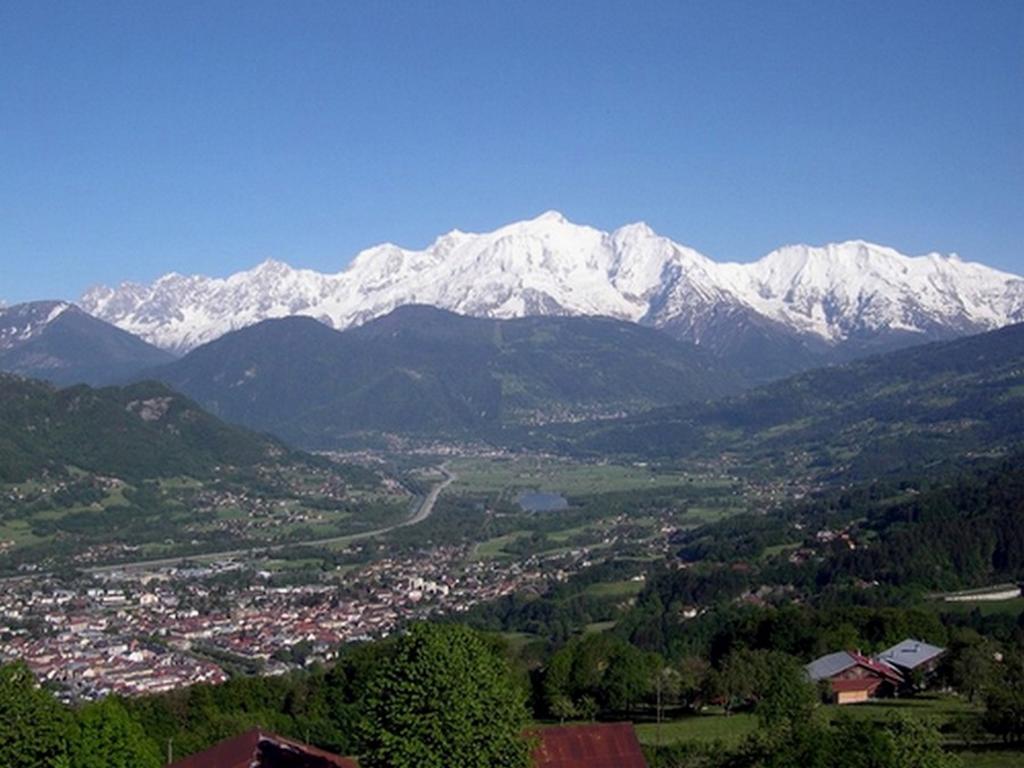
447	698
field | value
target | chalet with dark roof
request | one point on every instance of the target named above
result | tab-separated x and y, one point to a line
854	677
912	656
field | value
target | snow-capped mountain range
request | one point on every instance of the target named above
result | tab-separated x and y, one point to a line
825	296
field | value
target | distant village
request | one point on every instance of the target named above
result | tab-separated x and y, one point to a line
130	632
133	633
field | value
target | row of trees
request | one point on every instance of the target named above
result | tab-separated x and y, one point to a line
602	676
439	695
444	695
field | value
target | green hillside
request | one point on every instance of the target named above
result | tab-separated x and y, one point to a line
904	409
425	371
141	431
91	476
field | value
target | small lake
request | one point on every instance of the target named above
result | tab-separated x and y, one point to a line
541	501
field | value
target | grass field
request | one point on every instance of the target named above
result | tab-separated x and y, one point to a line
704	497
713	726
556	542
992	758
938	709
622	589
496	476
1013	607
18	531
102	521
709	514
517	640
778	549
567	533
494	548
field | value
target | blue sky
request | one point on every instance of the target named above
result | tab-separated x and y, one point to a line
139	138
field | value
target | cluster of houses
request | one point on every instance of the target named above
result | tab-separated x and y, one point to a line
148	632
852	677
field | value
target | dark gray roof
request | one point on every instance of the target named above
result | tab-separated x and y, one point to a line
910	654
827	666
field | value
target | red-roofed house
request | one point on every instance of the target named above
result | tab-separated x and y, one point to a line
608	745
257	749
854	677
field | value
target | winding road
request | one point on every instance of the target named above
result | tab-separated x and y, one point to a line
423	510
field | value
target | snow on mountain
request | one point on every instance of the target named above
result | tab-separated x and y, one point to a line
839	290
550	266
23	322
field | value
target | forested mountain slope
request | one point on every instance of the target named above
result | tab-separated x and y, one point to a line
892	411
421	370
145	430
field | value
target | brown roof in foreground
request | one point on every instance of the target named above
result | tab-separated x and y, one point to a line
608	745
258	749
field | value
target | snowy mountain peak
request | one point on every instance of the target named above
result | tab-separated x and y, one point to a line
549	265
448	241
22	322
840	289
271	267
552	217
638	230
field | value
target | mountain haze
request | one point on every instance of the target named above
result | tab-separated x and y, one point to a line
798	306
423	370
58	342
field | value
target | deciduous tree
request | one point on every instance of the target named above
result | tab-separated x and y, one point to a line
34	728
446	698
107	737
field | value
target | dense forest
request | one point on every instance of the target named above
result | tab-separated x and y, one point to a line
895	413
136	432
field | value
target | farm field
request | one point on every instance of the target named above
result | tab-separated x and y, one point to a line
712	726
939	709
1013	607
542	473
992	758
495	548
641	494
92	520
620	589
715	726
